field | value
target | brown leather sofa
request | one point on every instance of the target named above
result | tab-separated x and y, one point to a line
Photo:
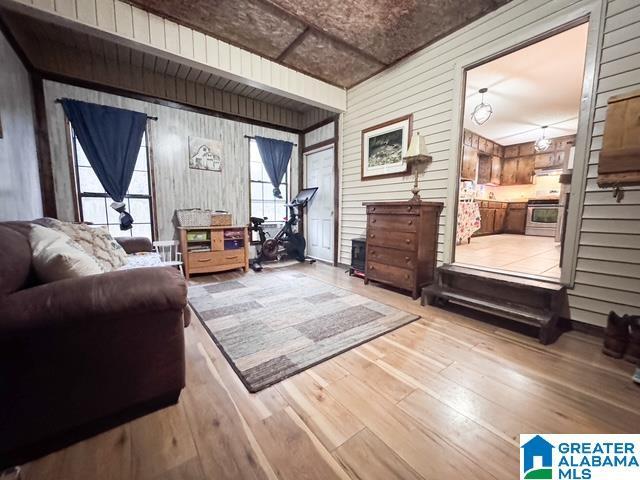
79	356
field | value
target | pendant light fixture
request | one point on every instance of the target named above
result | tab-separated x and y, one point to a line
543	143
483	111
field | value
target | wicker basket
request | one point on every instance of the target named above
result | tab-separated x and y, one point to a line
194	217
221	219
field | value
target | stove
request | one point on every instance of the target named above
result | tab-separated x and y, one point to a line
542	217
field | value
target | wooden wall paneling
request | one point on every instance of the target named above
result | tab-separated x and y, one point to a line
136	25
176	185
43	149
106	15
66	8
156	31
185	36
172	36
45	4
124	18
141	25
422	84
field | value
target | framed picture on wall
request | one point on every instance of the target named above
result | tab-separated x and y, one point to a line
383	148
205	154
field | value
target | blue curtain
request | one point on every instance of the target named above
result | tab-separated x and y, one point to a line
110	138
275	157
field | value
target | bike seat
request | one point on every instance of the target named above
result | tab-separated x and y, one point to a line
257	220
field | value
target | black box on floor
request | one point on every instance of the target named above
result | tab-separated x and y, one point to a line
358	254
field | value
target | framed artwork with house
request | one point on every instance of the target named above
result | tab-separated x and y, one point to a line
205	154
384	147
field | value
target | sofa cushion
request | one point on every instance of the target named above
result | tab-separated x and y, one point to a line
56	256
96	241
15	259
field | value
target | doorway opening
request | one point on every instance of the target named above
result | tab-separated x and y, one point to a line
520	122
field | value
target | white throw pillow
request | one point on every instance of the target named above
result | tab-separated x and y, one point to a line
96	241
56	256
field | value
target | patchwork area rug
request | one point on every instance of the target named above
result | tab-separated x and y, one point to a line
275	324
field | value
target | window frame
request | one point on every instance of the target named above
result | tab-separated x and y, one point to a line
79	194
286	182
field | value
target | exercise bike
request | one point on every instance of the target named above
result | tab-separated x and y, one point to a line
286	242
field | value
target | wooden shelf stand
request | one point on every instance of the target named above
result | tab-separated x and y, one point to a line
210	249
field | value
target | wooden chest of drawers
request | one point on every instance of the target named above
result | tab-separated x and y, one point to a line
402	243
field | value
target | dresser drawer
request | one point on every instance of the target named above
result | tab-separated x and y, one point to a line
393	209
392	239
391	256
206	259
396	276
399	223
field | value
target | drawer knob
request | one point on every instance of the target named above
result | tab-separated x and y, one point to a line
373	209
373	221
373	252
204	260
371	267
373	235
408	241
409	209
406	259
410	222
406	276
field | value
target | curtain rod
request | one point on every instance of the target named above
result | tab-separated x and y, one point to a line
253	138
59	100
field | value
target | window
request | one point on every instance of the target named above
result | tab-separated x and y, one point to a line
95	202
263	203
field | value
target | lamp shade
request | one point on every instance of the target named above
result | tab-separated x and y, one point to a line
417	146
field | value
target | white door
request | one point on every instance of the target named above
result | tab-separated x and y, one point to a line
319	220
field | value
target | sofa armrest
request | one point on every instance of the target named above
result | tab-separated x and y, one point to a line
54	305
135	244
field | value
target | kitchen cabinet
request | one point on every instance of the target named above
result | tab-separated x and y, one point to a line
496	170
545	160
511	151
469	163
509	170
515	218
526	149
498	220
525	170
484	169
518	170
492	217
489	169
487	218
481	144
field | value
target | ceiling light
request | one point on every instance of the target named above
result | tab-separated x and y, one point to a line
543	143
483	111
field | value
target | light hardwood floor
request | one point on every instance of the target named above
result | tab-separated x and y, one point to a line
519	253
442	398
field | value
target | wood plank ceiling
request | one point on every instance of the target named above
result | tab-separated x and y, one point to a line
59	52
342	42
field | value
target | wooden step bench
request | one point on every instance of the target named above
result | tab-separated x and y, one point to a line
533	302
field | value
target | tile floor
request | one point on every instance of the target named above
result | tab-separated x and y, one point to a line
520	253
